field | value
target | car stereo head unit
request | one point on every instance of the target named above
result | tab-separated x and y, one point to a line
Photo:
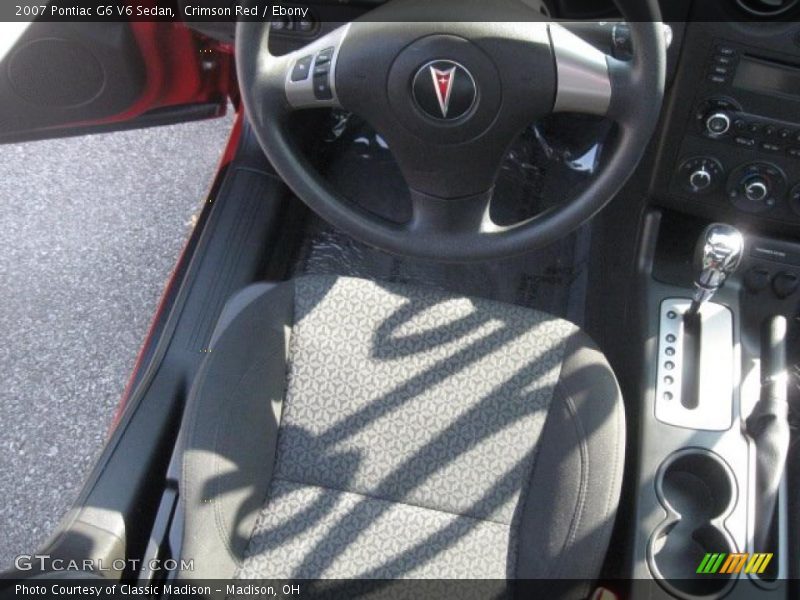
741	148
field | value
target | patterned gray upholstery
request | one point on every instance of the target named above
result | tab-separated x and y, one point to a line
407	440
404	396
307	531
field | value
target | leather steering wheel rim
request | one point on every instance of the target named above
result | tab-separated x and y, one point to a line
444	227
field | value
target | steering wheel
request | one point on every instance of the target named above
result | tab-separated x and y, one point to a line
449	98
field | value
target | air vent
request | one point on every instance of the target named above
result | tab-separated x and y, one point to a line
766	8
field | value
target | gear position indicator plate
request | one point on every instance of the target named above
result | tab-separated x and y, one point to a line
712	407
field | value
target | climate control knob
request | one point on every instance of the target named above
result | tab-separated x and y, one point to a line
756	189
700	179
700	175
718	123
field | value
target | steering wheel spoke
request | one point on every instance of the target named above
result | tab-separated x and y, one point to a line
591	82
431	214
584	81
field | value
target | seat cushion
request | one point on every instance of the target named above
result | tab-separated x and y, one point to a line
409	442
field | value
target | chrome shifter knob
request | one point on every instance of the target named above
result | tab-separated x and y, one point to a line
720	250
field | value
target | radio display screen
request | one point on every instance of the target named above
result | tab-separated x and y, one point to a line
767	77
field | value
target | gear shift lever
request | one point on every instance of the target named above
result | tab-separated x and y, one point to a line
720	249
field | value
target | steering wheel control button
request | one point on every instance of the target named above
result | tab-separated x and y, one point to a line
322	87
444	90
325	56
322	75
302	68
309	72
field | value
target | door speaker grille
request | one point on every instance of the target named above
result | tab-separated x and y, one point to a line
55	73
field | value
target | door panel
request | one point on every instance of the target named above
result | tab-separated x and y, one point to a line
66	78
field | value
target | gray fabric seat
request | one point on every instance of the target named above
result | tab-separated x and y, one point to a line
342	428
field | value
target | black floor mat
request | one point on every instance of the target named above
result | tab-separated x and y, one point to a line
552	279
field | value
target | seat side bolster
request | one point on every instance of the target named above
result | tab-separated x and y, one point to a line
231	427
568	513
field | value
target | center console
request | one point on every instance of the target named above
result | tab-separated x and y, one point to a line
729	152
699	488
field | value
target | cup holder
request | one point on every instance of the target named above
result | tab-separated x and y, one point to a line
698	491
